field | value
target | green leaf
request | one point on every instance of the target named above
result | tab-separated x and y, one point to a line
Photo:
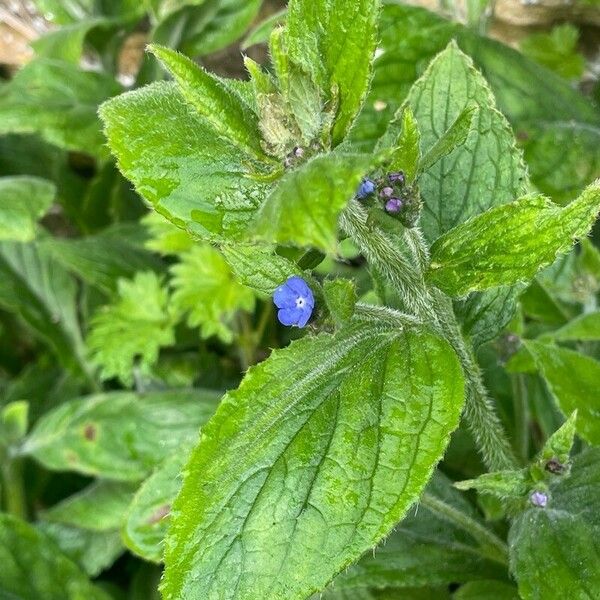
59	101
484	590
502	484
49	573
259	267
102	259
93	551
129	333
509	243
165	238
192	177
484	315
41	292
424	550
407	147
586	327
554	551
119	435
99	507
73	11
573	381
261	33
556	50
341	433
230	117
334	41
454	137
487	169
558	445
23	201
204	287
14	421
148	515
340	296
303	209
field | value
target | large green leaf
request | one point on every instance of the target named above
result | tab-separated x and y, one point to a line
190	175
41	292
334	41
33	568
510	243
555	551
303	209
487	169
59	101
425	550
23	200
145	529
574	381
119	435
311	462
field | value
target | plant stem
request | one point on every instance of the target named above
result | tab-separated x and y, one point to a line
493	547
12	485
521	410
245	341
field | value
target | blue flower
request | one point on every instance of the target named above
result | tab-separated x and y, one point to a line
367	187
539	499
295	302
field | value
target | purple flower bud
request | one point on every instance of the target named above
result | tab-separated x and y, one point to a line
298	152
396	177
393	205
387	192
539	499
367	187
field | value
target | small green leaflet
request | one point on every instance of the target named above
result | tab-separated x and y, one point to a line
586	327
554	550
119	435
23	201
129	333
205	289
483	171
574	381
334	41
303	209
180	165
323	447
510	243
52	576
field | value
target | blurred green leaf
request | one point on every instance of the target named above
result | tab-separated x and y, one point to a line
485	590
33	568
205	289
261	33
119	435
59	101
164	237
73	11
23	201
362	388
128	334
67	42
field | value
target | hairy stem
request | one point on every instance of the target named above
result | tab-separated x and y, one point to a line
493	547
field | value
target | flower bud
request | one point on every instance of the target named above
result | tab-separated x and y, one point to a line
393	205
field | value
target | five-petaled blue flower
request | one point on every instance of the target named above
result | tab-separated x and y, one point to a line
367	187
295	302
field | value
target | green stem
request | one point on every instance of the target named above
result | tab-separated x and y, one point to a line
13	490
245	341
521	410
491	545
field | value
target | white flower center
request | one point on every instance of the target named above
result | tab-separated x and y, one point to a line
300	302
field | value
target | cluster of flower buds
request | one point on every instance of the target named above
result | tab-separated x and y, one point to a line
390	191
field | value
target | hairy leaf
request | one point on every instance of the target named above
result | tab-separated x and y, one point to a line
323	447
303	209
204	287
191	176
129	333
554	550
334	41
511	243
119	435
49	573
487	169
23	201
573	380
